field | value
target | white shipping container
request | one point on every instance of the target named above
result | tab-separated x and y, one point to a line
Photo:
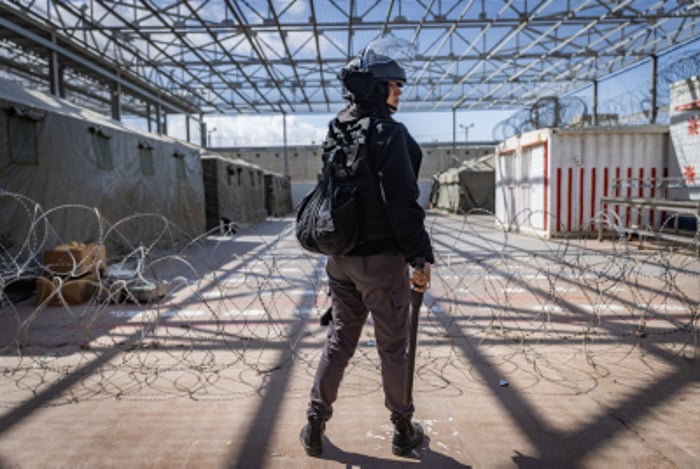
550	181
684	112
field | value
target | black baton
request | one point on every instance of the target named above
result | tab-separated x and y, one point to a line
416	301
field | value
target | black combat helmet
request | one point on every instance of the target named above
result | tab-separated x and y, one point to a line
380	62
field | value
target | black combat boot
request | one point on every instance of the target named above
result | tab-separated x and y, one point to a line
311	436
407	435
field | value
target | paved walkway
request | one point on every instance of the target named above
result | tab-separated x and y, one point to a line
532	353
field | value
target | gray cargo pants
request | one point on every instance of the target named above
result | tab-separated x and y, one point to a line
359	284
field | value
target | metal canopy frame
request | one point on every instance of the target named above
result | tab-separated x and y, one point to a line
282	56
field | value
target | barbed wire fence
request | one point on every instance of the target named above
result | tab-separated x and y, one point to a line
224	312
631	107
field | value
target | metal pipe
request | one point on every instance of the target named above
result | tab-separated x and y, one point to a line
284	136
654	73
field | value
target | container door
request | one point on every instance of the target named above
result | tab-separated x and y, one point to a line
506	208
535	178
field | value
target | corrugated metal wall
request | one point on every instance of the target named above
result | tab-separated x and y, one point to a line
684	111
551	181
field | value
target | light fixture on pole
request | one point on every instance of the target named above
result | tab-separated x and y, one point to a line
466	130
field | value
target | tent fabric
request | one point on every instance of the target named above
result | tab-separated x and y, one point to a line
86	180
241	192
278	195
467	187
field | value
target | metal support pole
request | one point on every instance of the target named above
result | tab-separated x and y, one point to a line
286	156
159	122
654	73
454	133
202	132
116	101
595	102
54	71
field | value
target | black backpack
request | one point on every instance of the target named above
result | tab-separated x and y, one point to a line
327	219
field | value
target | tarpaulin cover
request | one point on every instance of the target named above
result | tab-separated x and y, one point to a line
467	187
235	190
91	178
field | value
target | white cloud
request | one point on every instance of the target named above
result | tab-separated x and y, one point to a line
262	130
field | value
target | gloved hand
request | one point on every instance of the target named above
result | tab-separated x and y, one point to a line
420	280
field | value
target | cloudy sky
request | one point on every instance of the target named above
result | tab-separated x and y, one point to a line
306	129
245	131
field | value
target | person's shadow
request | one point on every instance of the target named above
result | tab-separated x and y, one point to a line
423	457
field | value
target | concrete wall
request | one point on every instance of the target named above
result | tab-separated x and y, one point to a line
304	162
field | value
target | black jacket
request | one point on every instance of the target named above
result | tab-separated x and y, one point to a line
391	220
